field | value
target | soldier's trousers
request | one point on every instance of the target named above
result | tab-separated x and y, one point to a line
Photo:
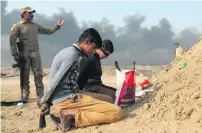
32	59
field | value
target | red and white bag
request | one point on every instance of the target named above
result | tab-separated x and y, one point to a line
125	94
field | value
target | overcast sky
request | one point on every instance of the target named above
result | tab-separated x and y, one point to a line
179	14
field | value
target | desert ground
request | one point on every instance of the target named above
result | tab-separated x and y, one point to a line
25	118
174	107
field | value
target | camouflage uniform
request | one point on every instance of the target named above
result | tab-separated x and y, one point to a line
27	32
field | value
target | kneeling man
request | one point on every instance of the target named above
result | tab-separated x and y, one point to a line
90	74
76	109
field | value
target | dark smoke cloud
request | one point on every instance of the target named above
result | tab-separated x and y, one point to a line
132	41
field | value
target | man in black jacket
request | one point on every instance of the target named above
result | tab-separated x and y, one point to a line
90	73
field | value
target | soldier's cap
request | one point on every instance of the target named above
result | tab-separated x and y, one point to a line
27	9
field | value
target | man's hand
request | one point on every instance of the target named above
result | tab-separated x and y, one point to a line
16	57
39	104
61	22
45	109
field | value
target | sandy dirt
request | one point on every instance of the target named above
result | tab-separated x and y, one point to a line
25	119
174	107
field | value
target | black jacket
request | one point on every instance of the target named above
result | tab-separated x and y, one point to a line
90	71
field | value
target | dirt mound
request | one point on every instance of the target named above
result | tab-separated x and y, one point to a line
177	103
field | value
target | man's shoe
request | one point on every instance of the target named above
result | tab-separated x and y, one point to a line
62	127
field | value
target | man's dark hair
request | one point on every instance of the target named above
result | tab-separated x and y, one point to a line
177	43
107	45
22	14
91	35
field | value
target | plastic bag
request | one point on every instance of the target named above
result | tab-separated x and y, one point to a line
125	94
144	84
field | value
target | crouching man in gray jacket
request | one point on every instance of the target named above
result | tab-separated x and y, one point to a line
76	109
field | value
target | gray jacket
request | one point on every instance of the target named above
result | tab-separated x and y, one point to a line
63	75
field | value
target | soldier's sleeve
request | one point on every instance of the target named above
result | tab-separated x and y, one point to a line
13	38
43	30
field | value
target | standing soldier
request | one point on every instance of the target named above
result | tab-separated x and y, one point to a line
28	52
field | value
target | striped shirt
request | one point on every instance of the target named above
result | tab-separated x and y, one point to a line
63	75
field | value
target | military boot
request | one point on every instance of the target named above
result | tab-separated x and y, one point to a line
24	95
39	97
